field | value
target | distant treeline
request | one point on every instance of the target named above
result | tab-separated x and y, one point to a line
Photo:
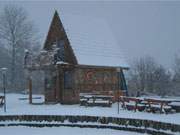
147	77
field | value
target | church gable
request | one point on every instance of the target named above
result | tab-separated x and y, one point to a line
57	38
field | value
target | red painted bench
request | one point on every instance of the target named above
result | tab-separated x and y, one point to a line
158	105
132	103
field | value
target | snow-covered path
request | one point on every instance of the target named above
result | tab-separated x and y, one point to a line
16	106
20	130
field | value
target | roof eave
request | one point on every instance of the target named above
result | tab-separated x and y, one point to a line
98	66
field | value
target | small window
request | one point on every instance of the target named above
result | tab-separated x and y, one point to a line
68	79
61	54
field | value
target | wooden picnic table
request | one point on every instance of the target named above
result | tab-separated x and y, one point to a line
147	104
96	100
158	105
175	105
132	103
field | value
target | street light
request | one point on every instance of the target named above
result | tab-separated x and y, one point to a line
4	70
118	71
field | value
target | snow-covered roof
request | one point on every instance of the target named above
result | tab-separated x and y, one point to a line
92	41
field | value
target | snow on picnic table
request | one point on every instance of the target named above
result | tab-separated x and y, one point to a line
20	130
22	107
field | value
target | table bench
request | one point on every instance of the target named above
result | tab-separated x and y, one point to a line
96	100
132	103
146	104
158	105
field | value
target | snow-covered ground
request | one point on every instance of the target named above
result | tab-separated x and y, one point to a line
20	130
16	106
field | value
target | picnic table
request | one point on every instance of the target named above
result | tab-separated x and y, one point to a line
1	101
175	105
147	104
96	100
158	105
132	103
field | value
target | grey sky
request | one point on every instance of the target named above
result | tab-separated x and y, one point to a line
141	28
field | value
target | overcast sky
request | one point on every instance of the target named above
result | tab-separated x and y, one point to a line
141	28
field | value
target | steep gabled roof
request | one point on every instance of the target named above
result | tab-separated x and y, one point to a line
91	40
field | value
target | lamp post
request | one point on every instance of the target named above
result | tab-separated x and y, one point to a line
4	85
118	71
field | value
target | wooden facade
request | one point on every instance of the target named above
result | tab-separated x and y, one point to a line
67	79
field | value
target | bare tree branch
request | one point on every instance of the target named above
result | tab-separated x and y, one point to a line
17	32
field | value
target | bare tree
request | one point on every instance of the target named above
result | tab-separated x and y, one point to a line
16	34
176	77
147	76
163	81
141	73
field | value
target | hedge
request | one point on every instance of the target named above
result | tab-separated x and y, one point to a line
137	125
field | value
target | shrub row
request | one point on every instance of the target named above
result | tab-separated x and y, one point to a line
123	122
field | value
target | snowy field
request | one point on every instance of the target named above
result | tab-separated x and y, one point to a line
20	130
16	106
